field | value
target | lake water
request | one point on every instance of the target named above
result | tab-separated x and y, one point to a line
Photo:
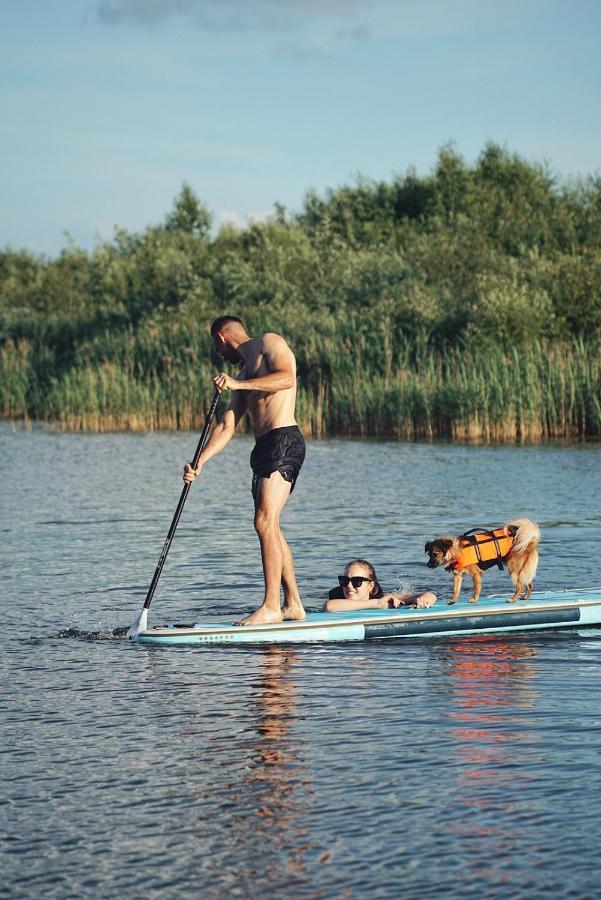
467	767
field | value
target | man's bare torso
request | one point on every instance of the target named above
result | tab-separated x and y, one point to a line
275	409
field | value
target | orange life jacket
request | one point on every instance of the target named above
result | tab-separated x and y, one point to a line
484	549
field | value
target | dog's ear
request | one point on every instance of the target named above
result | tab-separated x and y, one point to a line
445	543
428	546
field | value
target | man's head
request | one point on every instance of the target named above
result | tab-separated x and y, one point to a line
228	332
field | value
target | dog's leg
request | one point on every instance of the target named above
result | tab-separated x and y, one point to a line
517	592
477	584
528	591
515	577
457	579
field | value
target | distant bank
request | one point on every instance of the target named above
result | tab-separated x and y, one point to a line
463	304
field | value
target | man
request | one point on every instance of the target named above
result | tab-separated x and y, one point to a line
266	388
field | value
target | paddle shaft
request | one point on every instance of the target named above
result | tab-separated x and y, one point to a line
200	447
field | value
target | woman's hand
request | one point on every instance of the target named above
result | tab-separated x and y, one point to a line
425	600
390	601
408	601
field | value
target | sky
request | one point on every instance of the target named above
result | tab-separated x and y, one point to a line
108	106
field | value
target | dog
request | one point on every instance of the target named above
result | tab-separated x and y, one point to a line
514	544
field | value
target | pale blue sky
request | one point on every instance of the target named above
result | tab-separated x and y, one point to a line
107	106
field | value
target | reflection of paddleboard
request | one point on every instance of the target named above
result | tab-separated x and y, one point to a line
554	609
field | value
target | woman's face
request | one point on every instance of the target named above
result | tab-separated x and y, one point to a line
362	592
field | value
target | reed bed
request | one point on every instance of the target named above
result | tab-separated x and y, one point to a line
530	394
402	302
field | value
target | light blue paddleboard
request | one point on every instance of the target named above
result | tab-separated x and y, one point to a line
553	609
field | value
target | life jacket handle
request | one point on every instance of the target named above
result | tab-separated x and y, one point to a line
484	529
479	529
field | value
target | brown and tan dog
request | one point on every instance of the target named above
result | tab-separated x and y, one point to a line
475	551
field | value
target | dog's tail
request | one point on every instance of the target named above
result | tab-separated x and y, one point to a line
527	534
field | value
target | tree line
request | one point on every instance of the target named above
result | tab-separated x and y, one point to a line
464	303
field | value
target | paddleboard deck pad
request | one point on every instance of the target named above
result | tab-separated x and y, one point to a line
553	609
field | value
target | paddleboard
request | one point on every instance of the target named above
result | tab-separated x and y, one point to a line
552	609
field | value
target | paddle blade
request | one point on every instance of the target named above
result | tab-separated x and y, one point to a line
141	624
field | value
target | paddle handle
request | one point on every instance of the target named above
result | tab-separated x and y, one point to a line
184	494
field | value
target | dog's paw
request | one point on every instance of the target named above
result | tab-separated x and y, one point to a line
474	599
452	602
511	599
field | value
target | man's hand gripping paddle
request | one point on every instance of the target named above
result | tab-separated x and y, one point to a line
141	622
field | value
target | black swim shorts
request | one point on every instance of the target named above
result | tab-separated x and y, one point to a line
280	450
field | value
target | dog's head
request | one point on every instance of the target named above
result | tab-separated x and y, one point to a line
437	551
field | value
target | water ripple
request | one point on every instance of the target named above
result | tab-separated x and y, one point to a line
467	767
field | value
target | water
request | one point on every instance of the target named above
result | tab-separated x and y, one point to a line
461	766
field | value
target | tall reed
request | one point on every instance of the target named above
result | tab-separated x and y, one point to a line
156	381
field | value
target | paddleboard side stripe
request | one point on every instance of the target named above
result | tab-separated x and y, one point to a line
472	623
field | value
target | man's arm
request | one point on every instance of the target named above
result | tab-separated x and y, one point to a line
221	435
281	375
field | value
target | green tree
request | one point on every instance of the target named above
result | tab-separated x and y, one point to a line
189	214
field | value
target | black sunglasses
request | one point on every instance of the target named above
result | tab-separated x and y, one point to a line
356	580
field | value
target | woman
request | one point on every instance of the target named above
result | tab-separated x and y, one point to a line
359	589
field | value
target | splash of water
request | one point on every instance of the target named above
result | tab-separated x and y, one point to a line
116	634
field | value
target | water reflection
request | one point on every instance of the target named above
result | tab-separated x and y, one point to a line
493	685
276	793
491	673
244	790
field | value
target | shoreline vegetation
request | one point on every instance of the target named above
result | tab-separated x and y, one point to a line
465	304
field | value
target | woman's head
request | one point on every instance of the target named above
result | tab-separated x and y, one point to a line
359	581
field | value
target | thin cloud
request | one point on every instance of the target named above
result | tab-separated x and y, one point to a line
315	28
227	15
229	217
299	29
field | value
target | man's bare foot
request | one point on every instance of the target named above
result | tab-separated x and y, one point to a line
264	615
293	610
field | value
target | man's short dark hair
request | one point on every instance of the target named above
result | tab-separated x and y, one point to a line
220	323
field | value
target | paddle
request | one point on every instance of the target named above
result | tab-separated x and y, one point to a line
142	621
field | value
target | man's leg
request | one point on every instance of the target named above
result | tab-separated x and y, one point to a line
293	607
272	494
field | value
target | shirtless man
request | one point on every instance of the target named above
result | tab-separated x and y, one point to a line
266	388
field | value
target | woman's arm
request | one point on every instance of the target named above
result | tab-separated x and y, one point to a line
344	605
415	601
